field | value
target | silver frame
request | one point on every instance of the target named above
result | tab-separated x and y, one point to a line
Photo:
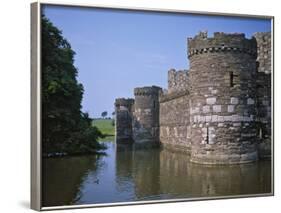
36	157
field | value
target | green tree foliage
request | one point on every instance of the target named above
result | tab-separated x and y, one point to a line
104	114
65	128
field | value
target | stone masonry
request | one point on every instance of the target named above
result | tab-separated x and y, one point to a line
264	92
146	116
218	111
124	118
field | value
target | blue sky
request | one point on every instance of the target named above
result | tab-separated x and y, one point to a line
119	50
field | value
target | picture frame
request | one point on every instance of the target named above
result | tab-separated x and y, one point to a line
36	104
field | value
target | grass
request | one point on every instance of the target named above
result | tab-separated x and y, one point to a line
107	139
105	126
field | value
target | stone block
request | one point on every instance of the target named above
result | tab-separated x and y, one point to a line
265	103
215	91
208	118
235	118
214	118
147	111
220	124
228	118
206	109
194	110
220	119
217	108
250	101
236	124
230	108
211	100
234	100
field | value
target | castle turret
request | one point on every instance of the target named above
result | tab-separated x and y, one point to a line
177	80
123	120
223	102
264	92
146	116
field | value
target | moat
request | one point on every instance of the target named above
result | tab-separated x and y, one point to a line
124	175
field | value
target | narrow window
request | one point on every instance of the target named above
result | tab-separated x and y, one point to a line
207	138
231	79
260	133
257	66
154	104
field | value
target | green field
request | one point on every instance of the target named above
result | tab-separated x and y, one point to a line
105	126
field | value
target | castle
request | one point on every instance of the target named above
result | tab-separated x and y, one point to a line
218	111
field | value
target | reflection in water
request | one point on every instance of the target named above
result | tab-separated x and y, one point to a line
181	178
142	167
62	178
125	174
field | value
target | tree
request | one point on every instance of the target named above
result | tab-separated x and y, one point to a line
104	114
64	127
113	118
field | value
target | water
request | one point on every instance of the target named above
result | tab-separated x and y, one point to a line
124	175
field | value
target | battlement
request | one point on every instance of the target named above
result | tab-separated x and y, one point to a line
147	91
124	102
218	111
264	51
221	42
171	96
177	80
264	36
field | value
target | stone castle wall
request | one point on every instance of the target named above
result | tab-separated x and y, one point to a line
222	74
174	121
123	122
218	111
174	112
146	115
264	52
177	80
264	92
264	114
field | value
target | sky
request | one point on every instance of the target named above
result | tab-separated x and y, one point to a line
118	50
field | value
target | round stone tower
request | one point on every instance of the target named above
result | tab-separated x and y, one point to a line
222	103
123	120
146	116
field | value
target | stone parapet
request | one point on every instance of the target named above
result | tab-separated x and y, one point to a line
170	96
124	102
177	80
146	91
221	42
263	51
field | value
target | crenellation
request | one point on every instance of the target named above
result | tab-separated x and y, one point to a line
177	80
218	111
222	42
263	51
147	91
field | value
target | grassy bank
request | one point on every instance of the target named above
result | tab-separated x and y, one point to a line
105	126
